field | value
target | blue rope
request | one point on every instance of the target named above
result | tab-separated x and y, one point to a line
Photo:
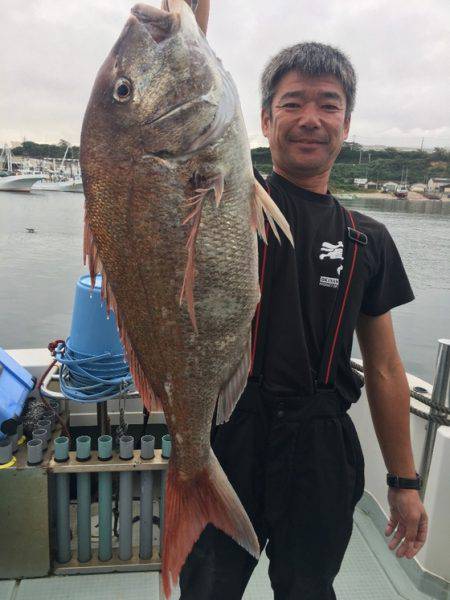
86	378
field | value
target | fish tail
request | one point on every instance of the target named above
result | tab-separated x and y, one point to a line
190	506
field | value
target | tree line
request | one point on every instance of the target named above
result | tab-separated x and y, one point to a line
380	165
33	150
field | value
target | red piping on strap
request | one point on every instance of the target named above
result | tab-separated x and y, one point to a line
338	326
258	308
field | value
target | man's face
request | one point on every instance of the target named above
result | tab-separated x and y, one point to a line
308	124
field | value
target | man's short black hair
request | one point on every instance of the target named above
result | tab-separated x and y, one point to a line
309	58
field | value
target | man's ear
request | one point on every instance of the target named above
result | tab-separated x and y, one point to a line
265	122
346	127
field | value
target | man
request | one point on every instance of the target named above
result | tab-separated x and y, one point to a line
290	449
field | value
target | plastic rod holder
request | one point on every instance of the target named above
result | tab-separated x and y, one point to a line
63	551
34	452
46	424
126	447
41	434
104	516
147	447
125	514
61	448
166	445
50	415
6	451
146	516
104	443
83	448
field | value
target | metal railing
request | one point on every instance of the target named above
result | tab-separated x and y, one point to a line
438	402
441	399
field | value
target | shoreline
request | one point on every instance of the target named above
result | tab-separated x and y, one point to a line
411	197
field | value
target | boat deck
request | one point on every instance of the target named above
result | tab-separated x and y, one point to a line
369	572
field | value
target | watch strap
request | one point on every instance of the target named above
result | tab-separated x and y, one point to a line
404	483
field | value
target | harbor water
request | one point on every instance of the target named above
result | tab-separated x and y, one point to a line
41	260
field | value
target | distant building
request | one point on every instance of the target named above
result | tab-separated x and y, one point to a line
389	186
418	187
360	182
371	185
438	184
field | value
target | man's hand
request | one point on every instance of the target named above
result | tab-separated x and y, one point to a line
409	517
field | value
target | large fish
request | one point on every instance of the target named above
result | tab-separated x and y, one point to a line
172	211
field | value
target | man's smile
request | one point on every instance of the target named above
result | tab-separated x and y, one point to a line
307	141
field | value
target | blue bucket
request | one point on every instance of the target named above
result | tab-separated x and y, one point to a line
92	333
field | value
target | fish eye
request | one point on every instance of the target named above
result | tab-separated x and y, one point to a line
122	90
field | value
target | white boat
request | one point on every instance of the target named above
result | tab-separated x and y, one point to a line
68	185
59	181
20	182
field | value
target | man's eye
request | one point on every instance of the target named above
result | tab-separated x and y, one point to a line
290	105
330	107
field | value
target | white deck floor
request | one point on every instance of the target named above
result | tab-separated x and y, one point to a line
369	572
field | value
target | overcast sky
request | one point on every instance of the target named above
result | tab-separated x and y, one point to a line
51	50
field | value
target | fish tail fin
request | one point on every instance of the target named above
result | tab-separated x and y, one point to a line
263	204
190	506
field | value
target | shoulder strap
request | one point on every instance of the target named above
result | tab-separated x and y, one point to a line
355	240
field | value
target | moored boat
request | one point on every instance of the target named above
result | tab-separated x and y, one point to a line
19	182
67	185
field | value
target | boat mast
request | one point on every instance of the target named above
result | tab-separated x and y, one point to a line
9	159
64	159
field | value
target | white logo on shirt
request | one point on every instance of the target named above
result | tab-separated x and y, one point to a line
333	252
329	281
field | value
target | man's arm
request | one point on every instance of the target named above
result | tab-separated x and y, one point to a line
388	395
201	8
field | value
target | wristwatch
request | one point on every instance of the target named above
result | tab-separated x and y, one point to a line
404	483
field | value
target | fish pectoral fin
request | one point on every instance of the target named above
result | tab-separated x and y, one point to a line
232	390
193	503
195	203
262	204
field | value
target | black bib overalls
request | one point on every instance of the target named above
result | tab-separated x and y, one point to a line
297	466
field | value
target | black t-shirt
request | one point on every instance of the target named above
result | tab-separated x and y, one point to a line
304	285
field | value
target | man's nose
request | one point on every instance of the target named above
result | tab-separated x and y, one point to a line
309	117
